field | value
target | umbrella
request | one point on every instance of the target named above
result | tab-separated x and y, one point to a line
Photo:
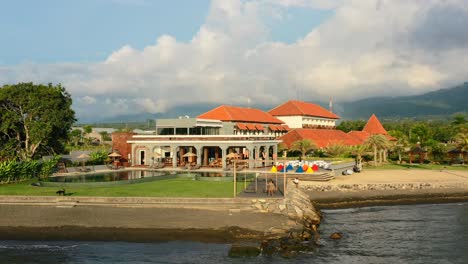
189	154
82	157
114	155
232	155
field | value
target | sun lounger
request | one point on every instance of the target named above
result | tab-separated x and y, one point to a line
196	167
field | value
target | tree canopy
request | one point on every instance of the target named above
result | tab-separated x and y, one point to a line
34	119
303	146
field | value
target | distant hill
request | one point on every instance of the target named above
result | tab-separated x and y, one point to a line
441	104
444	102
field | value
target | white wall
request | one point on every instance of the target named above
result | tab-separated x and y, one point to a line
291	121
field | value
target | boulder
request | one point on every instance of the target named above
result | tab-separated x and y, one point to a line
336	235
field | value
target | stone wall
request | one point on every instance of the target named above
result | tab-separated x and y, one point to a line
303	217
377	187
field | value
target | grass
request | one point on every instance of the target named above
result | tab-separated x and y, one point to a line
179	187
417	166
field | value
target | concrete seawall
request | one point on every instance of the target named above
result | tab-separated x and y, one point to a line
148	218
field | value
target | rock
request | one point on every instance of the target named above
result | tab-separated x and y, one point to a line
244	250
298	211
282	207
336	235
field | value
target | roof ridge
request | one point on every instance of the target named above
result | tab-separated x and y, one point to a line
297	106
226	107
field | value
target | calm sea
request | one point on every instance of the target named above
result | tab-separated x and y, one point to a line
436	233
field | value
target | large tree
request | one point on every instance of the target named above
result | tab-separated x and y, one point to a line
34	118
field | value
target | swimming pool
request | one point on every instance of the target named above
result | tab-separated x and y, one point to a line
110	176
135	176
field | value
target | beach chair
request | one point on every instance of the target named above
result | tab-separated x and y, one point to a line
195	167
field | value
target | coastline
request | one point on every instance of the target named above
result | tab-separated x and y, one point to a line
389	187
339	200
226	220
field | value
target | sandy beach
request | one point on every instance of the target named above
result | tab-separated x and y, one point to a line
372	187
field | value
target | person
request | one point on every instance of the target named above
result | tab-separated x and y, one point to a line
296	182
270	188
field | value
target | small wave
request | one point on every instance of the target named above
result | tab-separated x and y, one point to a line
39	247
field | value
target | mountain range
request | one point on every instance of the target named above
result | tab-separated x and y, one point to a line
441	103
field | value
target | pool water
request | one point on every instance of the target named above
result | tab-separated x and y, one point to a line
106	176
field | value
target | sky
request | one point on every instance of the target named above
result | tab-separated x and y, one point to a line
123	57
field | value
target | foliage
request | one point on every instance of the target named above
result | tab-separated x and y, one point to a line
34	119
377	142
337	149
98	157
75	137
105	136
303	146
347	126
48	166
87	129
16	171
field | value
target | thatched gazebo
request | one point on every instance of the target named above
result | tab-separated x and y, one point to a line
417	150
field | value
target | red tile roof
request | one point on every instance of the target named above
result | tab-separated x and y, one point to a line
374	126
294	107
286	127
273	127
240	114
259	127
361	136
321	137
241	126
251	127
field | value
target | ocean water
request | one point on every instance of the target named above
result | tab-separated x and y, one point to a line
434	233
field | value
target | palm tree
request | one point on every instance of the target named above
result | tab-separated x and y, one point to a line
377	142
461	141
283	149
336	149
360	150
303	146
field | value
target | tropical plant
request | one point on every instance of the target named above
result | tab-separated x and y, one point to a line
359	151
337	149
303	146
401	144
98	157
15	171
282	148
437	150
377	143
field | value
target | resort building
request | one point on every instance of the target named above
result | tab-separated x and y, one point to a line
225	133
299	114
326	137
211	139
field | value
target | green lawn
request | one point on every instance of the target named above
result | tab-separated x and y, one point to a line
416	166
179	187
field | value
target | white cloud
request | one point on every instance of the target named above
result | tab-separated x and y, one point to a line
366	48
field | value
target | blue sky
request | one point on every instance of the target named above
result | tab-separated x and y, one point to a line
125	57
89	30
49	31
